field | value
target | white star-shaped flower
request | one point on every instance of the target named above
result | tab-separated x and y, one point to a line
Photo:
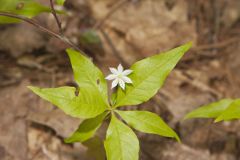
119	76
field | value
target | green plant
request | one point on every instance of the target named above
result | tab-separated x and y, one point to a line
91	101
225	109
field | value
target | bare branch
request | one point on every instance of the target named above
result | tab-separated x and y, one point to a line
54	13
113	48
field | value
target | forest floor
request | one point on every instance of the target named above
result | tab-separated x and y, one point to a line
122	32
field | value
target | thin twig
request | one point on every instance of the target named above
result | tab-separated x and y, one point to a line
43	29
110	13
54	13
113	48
32	22
217	45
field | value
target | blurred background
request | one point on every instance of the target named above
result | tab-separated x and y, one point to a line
123	31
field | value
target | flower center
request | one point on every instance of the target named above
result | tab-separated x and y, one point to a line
119	75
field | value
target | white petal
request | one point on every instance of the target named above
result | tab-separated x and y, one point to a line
114	70
115	83
122	84
126	79
111	77
127	72
120	68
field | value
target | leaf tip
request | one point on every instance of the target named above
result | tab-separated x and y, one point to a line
69	50
188	46
186	117
190	115
29	87
177	138
72	54
219	119
32	88
68	140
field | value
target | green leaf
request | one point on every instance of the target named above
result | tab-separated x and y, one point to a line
147	122
88	76
28	8
60	2
148	76
232	112
86	129
86	105
211	110
121	142
113	98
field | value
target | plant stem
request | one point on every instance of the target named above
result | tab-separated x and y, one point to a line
54	13
113	48
43	29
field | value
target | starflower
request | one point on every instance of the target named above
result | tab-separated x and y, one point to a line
119	76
